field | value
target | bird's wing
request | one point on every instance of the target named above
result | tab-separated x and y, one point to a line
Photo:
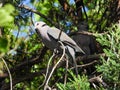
54	34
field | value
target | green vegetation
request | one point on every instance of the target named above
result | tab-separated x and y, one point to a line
110	67
79	83
27	58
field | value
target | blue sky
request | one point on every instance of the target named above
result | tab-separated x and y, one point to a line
22	33
72	2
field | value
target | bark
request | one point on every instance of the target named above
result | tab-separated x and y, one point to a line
79	5
65	5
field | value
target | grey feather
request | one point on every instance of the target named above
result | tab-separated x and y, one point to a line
54	32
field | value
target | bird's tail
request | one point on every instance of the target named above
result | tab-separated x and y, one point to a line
78	49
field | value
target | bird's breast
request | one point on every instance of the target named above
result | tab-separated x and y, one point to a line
51	44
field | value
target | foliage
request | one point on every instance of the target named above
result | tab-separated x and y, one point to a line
77	83
27	57
4	45
110	67
6	19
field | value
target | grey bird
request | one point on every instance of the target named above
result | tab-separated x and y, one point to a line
86	42
50	37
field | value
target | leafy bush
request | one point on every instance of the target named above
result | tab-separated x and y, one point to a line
110	67
77	83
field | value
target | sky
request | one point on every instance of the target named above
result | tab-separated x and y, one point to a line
22	33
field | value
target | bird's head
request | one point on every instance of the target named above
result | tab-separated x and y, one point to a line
39	25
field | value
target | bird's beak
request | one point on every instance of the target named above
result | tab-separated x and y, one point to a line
36	30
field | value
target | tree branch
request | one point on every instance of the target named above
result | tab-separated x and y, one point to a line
65	5
40	14
90	57
86	33
85	65
97	79
79	4
32	61
6	86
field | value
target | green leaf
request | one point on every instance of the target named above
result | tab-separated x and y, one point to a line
6	19
9	8
3	45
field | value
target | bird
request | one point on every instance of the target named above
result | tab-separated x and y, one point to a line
86	42
50	38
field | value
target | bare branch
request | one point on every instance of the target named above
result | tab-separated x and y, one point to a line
85	65
10	76
90	57
87	33
65	5
63	54
97	79
47	70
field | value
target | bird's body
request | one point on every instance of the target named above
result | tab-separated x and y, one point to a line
50	37
49	42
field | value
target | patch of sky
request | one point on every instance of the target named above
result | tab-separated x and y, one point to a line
68	24
56	4
22	33
72	2
86	9
24	30
27	2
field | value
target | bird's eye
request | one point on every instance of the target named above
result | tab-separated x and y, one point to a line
37	23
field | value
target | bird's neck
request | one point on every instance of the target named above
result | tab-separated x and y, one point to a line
44	31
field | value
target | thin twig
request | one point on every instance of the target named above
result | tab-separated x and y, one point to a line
18	31
10	76
98	79
84	10
85	65
56	63
65	79
87	33
48	65
32	22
